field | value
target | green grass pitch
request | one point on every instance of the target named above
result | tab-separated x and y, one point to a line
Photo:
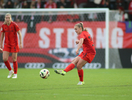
100	84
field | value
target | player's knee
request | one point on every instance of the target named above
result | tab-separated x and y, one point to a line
5	59
14	59
75	61
79	66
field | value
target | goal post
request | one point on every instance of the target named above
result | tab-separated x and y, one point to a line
80	11
107	40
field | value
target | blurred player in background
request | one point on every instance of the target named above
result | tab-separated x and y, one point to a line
9	30
87	55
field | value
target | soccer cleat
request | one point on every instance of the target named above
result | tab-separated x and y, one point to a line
80	83
10	74
60	72
14	76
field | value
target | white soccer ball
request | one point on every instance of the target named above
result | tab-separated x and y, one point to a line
44	73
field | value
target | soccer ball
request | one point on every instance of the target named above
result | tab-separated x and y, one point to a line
44	73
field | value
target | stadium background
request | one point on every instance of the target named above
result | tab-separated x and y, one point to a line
49	40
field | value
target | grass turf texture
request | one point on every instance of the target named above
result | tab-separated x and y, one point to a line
100	84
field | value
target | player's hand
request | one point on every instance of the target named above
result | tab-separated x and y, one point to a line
1	50
20	46
77	51
77	41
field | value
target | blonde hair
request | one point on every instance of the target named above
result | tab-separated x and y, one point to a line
81	25
8	14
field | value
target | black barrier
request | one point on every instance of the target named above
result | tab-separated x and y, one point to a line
124	60
56	65
126	57
55	59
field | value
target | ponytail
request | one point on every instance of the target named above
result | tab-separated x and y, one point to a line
85	29
81	25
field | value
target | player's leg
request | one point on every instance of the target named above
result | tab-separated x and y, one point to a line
15	65
72	65
69	67
80	64
5	59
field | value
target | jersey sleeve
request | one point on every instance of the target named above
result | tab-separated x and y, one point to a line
16	28
2	30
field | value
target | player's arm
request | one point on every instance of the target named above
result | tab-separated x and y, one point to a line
20	38
2	38
79	45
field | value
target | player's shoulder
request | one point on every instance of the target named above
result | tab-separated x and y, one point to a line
3	25
85	32
13	22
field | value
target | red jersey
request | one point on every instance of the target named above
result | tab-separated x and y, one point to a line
48	5
88	46
10	34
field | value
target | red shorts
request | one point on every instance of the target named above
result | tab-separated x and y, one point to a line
11	48
87	56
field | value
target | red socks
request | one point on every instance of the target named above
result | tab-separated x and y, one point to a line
8	65
80	74
69	67
15	66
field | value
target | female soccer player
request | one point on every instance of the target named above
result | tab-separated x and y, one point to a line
87	55
9	30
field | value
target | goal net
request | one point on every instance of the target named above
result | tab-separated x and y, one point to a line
48	37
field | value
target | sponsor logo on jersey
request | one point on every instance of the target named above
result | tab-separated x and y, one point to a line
9	31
